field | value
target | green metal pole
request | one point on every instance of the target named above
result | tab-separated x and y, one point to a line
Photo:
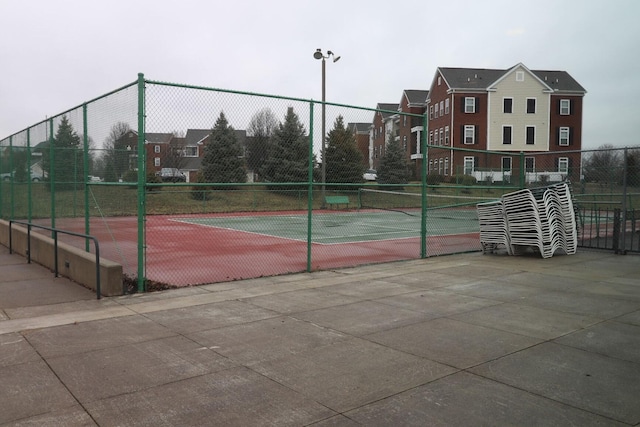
310	188
423	223
52	175
86	175
29	185
12	193
141	179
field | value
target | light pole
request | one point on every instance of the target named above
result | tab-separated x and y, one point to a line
319	55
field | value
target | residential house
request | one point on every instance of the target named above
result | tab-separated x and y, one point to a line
512	111
361	133
384	122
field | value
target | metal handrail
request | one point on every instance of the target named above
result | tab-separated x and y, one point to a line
55	246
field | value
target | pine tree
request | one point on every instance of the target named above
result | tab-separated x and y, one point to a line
67	162
393	166
222	160
343	159
288	154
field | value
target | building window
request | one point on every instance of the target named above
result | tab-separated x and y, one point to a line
446	166
565	107
506	134
441	136
440	166
156	161
469	134
563	165
563	136
506	164
435	111
439	80
531	105
441	108
404	121
446	135
469	104
156	148
431	138
431	112
519	76
531	135
191	151
404	142
430	165
469	164
529	164
446	106
507	105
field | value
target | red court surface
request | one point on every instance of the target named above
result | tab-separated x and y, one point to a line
183	254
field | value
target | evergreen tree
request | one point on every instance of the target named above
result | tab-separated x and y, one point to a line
288	154
67	165
222	160
393	165
343	159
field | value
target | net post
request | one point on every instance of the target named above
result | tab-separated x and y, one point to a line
310	188
85	175
423	189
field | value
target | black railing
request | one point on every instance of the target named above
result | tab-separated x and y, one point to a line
605	228
55	246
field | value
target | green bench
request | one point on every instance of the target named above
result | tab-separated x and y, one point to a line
336	200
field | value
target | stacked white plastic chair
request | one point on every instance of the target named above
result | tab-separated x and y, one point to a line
542	218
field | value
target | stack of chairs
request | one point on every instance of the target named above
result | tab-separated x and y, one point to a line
542	218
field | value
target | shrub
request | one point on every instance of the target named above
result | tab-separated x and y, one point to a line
463	179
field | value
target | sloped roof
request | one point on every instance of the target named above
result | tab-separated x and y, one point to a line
416	96
482	78
157	138
388	107
359	127
195	136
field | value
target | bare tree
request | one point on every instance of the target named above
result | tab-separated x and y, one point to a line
604	165
261	127
117	150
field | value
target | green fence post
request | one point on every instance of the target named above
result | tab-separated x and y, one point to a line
86	174
310	188
52	175
423	224
29	181
141	182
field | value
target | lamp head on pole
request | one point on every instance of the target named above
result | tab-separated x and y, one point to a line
318	54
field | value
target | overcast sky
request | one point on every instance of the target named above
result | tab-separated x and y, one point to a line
56	54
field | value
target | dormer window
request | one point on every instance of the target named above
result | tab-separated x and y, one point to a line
519	76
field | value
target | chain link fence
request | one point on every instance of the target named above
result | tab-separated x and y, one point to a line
186	185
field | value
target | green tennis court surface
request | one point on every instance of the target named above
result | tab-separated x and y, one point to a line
346	227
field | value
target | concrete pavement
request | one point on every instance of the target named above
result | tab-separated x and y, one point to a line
467	339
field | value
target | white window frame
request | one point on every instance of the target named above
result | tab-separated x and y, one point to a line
529	164
446	106
526	135
441	136
446	135
446	166
504	167
431	112
503	105
470	132
156	148
156	161
192	148
563	136
469	104
440	167
519	76
430	137
441	108
535	106
510	134
469	165
565	107
430	165
435	111
563	164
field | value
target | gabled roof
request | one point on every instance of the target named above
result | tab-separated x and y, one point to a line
483	78
416	97
388	107
197	136
359	127
157	138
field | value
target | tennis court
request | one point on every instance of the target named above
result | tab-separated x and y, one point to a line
346	227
